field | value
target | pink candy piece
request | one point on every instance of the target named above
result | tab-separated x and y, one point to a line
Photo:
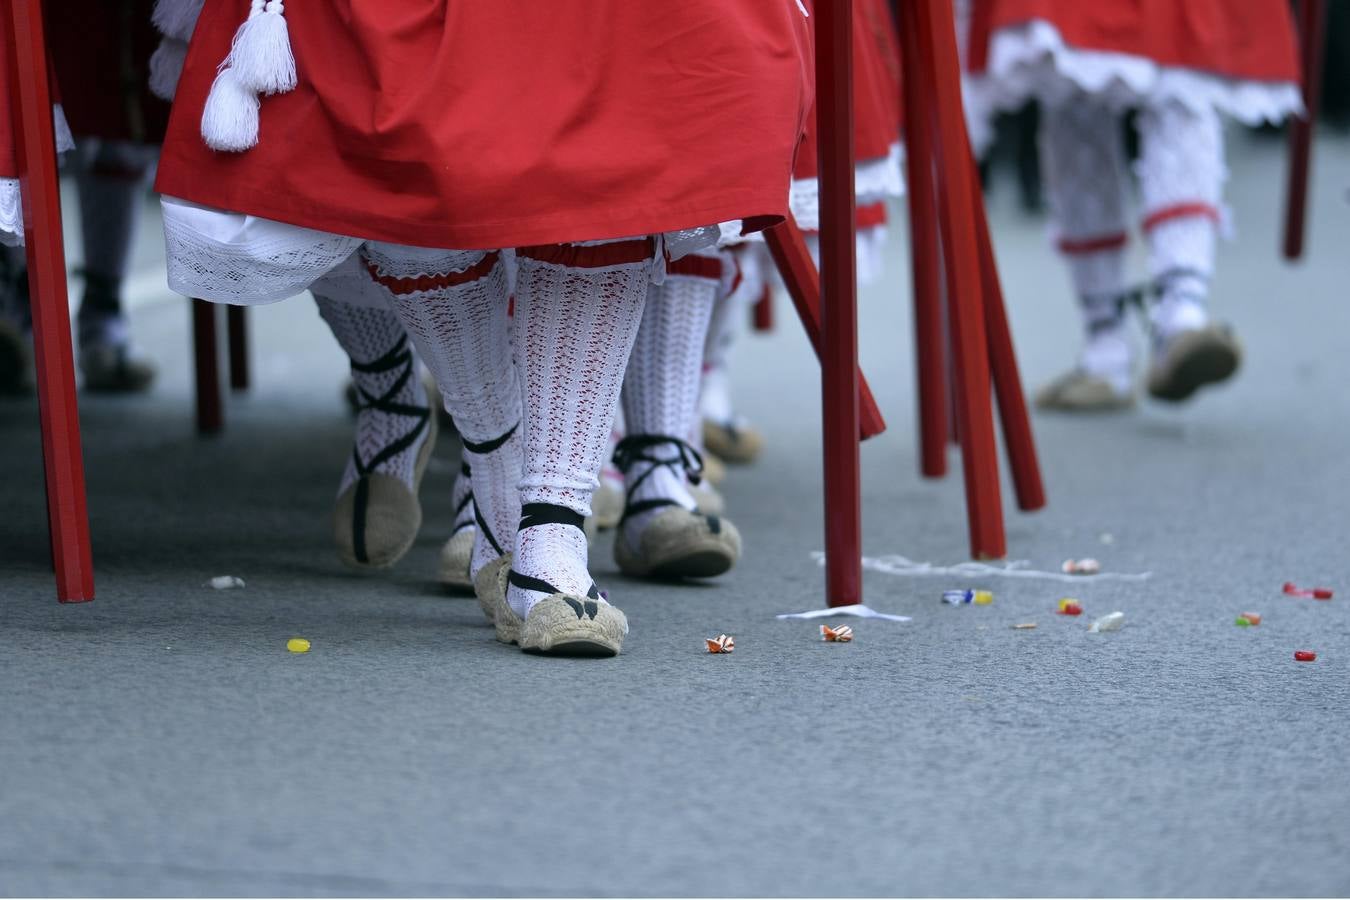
1294	590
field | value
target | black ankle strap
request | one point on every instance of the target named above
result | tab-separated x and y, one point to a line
532	514
636	448
398	356
487	446
540	586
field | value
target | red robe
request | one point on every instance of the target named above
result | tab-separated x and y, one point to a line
1248	40
468	124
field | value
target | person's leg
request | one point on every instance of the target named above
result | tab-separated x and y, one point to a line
663	533
725	433
577	314
456	559
378	514
110	177
1181	173
454	307
1085	180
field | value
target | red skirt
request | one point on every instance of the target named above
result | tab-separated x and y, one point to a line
1247	40
469	124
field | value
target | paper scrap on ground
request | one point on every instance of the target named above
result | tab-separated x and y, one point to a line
1017	568
859	610
226	582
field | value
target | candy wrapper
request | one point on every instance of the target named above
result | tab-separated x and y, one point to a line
841	634
1081	567
1294	590
723	643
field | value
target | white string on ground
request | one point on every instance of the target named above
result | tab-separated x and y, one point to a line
895	564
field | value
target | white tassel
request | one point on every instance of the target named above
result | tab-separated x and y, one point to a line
230	119
176	18
261	55
166	67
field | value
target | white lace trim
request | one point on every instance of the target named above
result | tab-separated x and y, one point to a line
1032	60
11	200
874	180
234	258
11	213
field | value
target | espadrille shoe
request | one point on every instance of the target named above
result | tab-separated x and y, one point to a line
714	470
1082	391
607	501
566	625
490	588
734	442
453	566
1192	359
708	498
679	543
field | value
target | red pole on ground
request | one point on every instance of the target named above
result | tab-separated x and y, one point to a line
929	334
793	260
970	344
839	293
236	329
210	418
1312	47
1012	404
67	512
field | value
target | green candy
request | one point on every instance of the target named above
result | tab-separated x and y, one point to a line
1242	621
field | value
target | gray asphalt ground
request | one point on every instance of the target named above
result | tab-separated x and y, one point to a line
161	740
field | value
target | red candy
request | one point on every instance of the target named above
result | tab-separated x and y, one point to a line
1321	593
1305	656
1071	609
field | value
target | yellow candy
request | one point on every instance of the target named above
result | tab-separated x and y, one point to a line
1063	604
297	645
984	598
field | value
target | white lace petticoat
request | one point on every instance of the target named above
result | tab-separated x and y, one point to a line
1031	61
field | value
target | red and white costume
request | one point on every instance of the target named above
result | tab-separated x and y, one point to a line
1180	65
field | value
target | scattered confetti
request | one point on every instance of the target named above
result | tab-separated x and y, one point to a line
225	582
723	643
297	645
1109	622
1305	656
840	634
1070	607
1081	567
1024	626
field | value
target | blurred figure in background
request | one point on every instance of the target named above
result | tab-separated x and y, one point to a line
1179	66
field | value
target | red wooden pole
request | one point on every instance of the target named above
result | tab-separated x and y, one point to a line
929	333
762	311
210	417
1012	404
1312	45
236	328
67	513
839	292
794	263
970	344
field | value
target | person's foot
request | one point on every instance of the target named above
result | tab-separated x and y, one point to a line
708	499
607	501
714	470
1101	381
378	513
734	440
115	369
550	592
457	554
109	361
1190	360
1189	350
664	533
